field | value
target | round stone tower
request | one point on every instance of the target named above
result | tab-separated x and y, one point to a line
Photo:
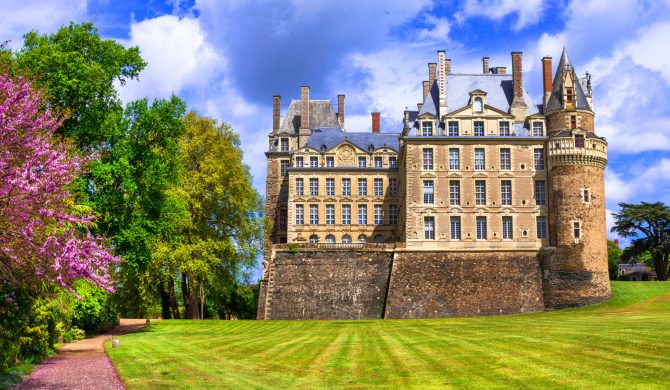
576	273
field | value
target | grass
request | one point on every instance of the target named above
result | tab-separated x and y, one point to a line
624	343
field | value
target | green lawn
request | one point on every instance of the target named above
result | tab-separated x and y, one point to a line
624	343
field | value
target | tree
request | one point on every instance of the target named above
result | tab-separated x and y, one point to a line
613	259
649	226
44	237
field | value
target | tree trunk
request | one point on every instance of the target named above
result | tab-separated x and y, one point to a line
188	302
202	301
165	301
173	299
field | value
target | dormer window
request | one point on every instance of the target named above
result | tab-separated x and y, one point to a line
579	141
426	129
568	95
478	105
284	145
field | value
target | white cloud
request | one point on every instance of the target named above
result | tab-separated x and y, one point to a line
528	12
650	183
650	50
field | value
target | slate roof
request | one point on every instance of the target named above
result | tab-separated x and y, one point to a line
555	100
568	133
321	114
329	137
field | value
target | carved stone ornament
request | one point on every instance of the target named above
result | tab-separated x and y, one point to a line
346	155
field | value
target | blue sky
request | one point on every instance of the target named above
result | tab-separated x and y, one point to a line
227	59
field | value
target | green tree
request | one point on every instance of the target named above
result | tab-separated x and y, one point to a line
613	259
648	224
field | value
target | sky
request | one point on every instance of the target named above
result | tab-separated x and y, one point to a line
227	59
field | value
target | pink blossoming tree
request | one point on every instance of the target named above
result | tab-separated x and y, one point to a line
43	235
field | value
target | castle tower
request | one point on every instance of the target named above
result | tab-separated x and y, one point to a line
576	273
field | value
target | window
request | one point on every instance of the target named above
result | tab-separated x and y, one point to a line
507	228
452	128
298	162
379	239
393	214
362	214
429	228
428	158
379	214
480	192
378	162
568	95
454	159
577	229
579	141
330	214
538	129
362	187
504	129
539	159
478	105
379	187
330	187
455	227
346	214
454	192
573	121
346	239
480	161
346	187
330	162
283	217
283	167
299	214
506	192
330	239
586	195
284	144
314	186
540	192
299	187
428	192
505	158
541	223
361	162
313	239
426	129
314	214
393	162
362	238
313	162
393	187
481	228
479	128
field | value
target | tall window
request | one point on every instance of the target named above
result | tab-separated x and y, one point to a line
314	214
379	187
479	128
505	158
362	187
299	214
379	214
314	186
330	162
299	187
393	187
426	129
506	192
504	129
283	167
378	162
577	229
330	214
586	195
480	192
346	214
428	192
362	214
429	228
298	162
428	158
393	162
454	159
283	218
454	192
480	161
540	192
361	162
481	228
539	159
452	128
284	144
541	223
568	95
393	214
478	105
455	227
579	141
330	187
507	230
538	129
313	162
573	121
346	187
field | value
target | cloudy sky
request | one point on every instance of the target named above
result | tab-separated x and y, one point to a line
227	59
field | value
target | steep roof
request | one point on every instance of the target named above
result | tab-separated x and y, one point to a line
321	114
556	98
329	137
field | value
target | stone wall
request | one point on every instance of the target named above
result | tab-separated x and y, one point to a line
561	120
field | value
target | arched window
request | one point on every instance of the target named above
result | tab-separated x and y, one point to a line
346	239
330	239
363	238
379	239
313	239
478	105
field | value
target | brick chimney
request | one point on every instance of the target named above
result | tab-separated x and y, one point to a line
501	70
426	89
518	108
447	66
376	127
276	100
485	65
340	110
546	78
419	106
616	240
441	82
304	107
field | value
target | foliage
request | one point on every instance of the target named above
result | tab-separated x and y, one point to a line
73	334
94	312
649	226
613	259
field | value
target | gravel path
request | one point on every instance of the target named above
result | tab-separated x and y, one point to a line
80	365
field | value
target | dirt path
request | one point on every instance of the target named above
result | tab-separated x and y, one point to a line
80	365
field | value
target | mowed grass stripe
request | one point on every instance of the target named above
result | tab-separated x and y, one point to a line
624	343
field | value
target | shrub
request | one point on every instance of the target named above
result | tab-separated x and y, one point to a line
95	312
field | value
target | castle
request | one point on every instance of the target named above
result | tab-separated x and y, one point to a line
483	203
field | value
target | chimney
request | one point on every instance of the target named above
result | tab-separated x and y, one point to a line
485	65
405	119
340	110
432	72
616	240
426	89
447	66
304	107
546	78
276	99
501	70
441	81
518	108
375	122
419	106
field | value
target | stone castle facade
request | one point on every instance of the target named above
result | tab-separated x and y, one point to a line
484	203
